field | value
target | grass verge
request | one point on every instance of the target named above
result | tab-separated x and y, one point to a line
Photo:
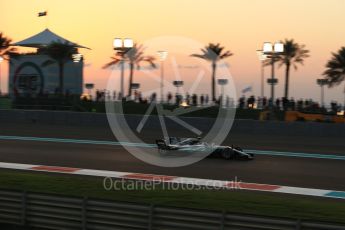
271	204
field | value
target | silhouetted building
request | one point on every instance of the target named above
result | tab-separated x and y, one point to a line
28	76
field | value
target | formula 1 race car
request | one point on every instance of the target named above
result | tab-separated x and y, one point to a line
196	145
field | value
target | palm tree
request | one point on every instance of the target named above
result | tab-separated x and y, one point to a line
134	57
60	53
335	72
213	53
293	54
5	47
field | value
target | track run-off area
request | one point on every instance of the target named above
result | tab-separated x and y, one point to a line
209	183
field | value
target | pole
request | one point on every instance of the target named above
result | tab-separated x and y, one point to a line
322	96
122	77
222	102
162	79
272	83
0	77
262	79
262	83
344	100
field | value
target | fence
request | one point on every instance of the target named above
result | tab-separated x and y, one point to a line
61	212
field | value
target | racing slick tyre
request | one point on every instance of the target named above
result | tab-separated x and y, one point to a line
162	152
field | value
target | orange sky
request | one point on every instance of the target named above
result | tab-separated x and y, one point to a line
240	25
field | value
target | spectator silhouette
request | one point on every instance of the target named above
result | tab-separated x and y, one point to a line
202	99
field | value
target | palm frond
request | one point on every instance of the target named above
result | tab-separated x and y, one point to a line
48	63
112	63
202	56
335	68
150	60
61	52
225	55
213	52
293	54
6	49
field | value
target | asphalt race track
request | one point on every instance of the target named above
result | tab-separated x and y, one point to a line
288	171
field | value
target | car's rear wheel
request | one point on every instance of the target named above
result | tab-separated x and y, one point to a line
162	152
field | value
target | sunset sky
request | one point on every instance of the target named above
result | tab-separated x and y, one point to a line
239	25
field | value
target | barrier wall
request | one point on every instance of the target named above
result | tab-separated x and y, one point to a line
240	126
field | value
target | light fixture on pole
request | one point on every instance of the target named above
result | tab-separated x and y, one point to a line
135	86
89	87
222	83
162	56
177	84
272	51
128	43
117	43
122	46
1	59
77	57
321	82
262	57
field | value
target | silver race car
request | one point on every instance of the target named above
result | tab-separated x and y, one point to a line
196	145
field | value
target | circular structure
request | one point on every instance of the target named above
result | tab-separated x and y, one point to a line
137	132
28	78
